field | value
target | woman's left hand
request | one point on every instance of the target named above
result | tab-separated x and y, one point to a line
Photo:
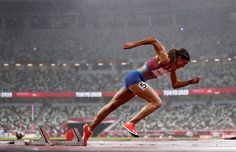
195	80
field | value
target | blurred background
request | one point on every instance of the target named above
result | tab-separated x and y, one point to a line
63	59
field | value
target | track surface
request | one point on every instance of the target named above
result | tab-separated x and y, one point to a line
133	146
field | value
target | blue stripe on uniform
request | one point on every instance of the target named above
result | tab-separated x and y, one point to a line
148	70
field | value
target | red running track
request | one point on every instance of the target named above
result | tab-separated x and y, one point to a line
133	146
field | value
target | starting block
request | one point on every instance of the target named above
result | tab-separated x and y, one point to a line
45	139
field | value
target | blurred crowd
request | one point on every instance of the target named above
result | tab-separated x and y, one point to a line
99	45
92	32
54	79
186	115
18	116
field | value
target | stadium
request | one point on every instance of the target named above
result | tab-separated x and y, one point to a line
62	60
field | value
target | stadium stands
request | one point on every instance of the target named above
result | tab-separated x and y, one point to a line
65	32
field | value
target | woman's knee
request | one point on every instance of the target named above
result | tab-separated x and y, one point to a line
157	103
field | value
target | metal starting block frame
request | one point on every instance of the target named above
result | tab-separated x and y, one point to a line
45	139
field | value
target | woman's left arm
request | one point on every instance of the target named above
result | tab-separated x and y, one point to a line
179	84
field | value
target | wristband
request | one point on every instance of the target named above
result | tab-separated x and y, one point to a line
190	81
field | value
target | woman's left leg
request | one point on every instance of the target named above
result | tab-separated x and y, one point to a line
120	98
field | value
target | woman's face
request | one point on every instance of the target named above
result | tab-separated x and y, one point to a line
180	62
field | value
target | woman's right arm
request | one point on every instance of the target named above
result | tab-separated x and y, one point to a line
145	41
159	48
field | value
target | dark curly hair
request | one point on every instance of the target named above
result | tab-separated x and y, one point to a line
174	53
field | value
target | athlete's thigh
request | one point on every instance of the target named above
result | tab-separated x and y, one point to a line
145	91
122	96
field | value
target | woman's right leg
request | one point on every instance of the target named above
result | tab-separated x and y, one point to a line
148	94
121	97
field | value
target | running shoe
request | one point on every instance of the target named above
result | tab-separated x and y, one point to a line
131	128
87	134
69	135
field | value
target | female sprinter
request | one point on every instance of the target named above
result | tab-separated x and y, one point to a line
160	65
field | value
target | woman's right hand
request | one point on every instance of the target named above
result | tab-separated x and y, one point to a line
129	45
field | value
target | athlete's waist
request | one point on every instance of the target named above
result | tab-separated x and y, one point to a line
146	72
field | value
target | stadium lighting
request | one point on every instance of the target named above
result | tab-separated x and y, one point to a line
76	64
100	64
206	60
64	64
193	61
18	64
41	64
216	60
234	57
30	65
124	63
53	64
5	64
110	64
229	59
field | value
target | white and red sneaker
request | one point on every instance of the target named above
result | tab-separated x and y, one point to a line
131	128
87	134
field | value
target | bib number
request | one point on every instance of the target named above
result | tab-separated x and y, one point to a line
143	85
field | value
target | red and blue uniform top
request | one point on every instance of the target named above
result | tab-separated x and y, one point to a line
154	69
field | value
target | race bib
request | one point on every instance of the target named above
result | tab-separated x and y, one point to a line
142	85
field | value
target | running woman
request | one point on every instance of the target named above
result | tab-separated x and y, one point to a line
158	66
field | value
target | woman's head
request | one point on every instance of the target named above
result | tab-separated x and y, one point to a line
179	57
